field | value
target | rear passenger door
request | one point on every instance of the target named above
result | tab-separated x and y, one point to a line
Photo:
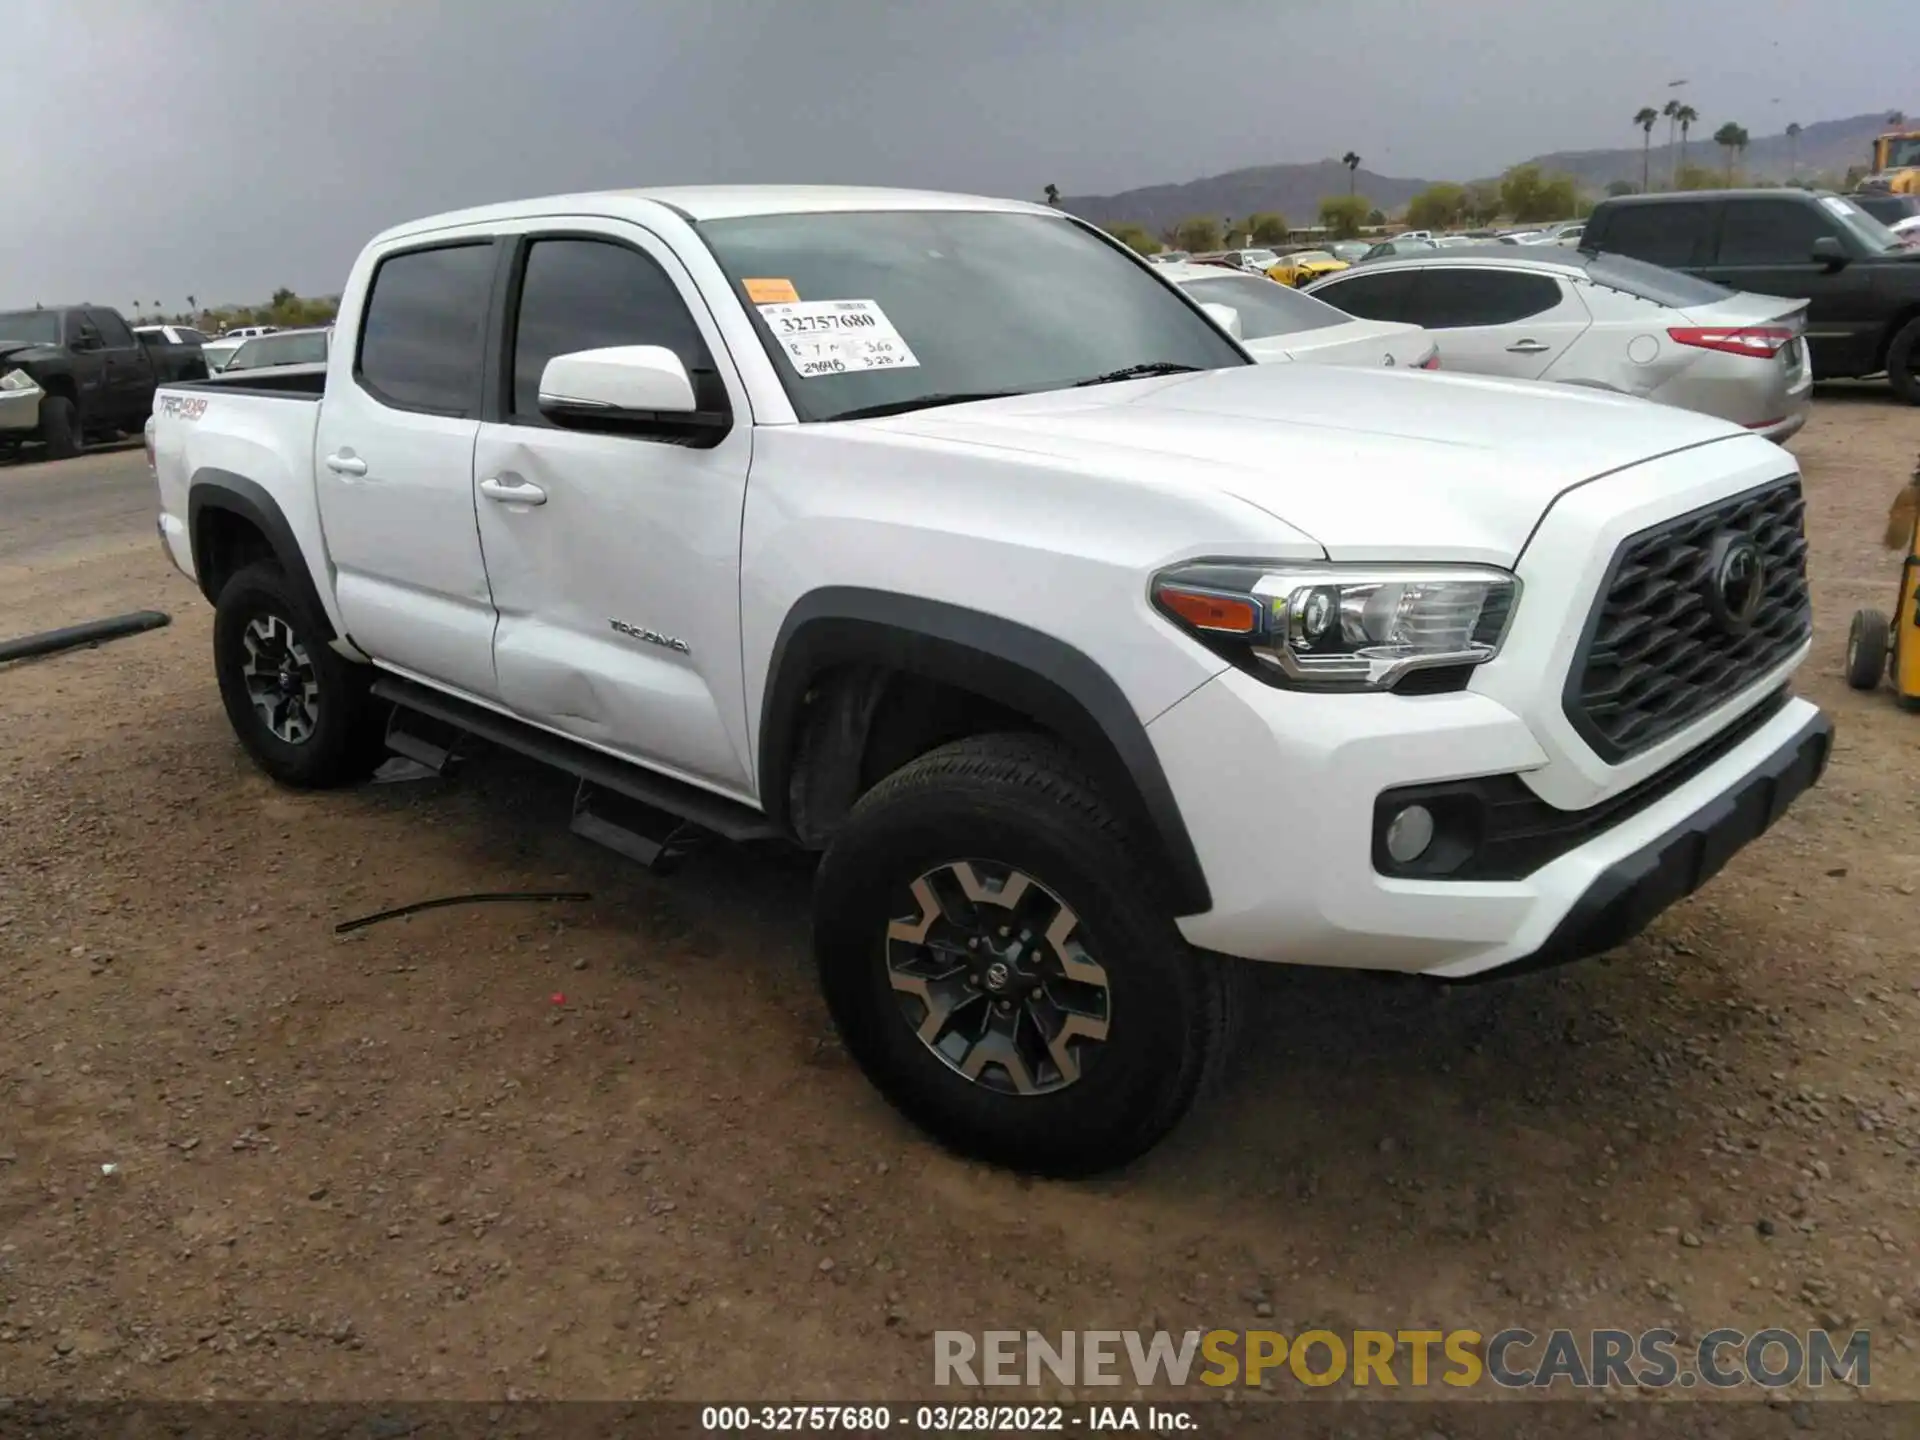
1766	246
1677	234
394	462
127	374
1511	323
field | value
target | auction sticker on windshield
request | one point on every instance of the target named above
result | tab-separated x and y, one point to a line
837	337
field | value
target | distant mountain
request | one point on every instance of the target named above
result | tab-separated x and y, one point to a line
1294	190
1827	145
1297	190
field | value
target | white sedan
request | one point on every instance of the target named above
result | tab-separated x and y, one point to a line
1275	322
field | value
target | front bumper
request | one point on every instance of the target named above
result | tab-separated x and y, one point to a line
1278	791
20	411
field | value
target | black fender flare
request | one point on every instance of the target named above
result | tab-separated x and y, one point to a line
213	490
1012	664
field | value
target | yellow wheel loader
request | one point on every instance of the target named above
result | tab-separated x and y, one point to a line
1880	647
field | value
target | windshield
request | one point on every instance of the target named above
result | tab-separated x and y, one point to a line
894	309
1266	309
1868	231
1666	287
1905	151
265	350
40	327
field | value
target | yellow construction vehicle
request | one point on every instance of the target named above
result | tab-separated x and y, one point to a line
1896	163
1877	646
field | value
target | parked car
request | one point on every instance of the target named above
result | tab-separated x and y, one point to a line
1351	251
1278	323
218	353
177	352
1252	262
1862	284
247	332
1888	208
826	516
71	373
283	347
1169	257
170	334
1387	249
1301	267
1602	321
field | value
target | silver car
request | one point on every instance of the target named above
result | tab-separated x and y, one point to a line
1604	321
1275	322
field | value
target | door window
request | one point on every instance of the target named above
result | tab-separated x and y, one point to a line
114	333
1770	232
423	333
1676	234
1447	298
1384	296
579	294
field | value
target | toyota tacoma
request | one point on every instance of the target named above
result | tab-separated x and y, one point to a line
943	536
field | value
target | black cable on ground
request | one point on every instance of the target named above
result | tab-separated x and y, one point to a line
489	897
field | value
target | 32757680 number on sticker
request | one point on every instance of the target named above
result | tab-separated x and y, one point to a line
837	337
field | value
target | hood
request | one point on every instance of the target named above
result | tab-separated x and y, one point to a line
1373	464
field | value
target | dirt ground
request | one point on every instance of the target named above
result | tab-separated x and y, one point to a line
611	1149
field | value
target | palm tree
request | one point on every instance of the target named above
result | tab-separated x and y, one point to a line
1670	110
1053	195
1644	118
1740	142
1352	161
1793	149
1686	115
1727	137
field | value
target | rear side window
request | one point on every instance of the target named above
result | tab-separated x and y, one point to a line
114	333
1453	299
1771	232
1384	296
589	294
1661	234
1266	309
423	333
191	337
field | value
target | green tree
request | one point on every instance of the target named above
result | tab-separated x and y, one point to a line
1622	187
1344	215
1376	218
1697	177
1483	202
1352	161
1645	117
1200	232
1053	195
1438	207
1528	195
1685	115
1729	137
1268	227
1134	237
1793	149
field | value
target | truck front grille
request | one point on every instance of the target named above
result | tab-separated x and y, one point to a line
1670	638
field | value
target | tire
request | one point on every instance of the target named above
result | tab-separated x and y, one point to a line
60	427
966	820
326	728
1903	362
1867	649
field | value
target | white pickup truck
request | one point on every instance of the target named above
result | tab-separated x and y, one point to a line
942	535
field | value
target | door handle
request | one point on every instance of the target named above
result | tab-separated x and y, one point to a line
512	491
346	465
1528	347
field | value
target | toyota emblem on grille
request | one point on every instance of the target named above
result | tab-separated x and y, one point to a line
1737	581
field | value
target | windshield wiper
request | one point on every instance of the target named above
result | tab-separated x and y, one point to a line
921	402
1139	372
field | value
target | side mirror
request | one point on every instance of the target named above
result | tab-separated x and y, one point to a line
87	338
623	389
1828	251
1227	317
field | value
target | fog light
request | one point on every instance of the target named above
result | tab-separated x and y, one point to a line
1409	834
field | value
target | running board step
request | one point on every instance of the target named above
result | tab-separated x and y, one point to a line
404	737
640	832
723	817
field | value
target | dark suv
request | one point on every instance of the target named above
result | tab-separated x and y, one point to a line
1863	287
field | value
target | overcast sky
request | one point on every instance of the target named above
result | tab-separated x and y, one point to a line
156	148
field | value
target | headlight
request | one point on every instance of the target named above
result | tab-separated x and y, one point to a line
17	380
1343	627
